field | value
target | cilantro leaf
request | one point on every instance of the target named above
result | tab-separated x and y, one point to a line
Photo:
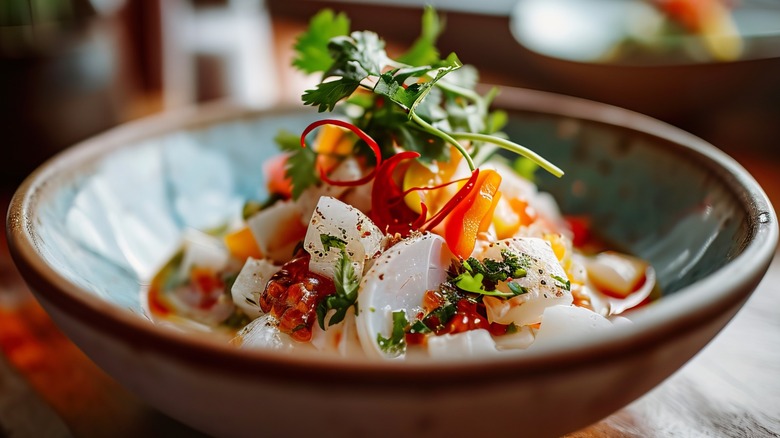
357	56
395	345
393	84
346	282
301	162
312	46
327	94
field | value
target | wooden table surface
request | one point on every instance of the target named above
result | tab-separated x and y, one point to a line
732	388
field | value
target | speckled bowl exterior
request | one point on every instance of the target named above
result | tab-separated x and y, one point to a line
88	228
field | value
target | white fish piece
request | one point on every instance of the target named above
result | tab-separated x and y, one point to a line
202	250
342	221
341	339
611	275
250	284
347	170
519	340
263	333
277	230
397	280
471	343
560	323
544	282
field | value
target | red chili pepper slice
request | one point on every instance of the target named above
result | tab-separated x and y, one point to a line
388	210
363	136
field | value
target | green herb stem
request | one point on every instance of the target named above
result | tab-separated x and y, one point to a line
444	136
510	146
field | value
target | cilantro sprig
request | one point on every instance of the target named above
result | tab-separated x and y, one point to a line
402	107
345	281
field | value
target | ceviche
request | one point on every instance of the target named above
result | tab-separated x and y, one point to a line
395	229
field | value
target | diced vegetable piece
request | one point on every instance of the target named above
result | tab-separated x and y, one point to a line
277	180
242	244
250	284
277	230
464	223
333	224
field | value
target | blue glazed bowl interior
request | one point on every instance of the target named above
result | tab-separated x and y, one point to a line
111	224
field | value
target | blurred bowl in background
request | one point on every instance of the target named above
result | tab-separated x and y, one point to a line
630	54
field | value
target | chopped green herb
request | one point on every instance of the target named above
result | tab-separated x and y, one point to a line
346	283
440	316
564	283
329	242
481	277
516	288
419	327
395	345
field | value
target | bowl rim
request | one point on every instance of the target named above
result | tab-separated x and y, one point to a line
721	293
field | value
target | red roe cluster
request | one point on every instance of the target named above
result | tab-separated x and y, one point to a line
292	296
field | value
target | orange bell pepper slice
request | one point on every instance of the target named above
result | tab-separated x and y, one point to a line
467	219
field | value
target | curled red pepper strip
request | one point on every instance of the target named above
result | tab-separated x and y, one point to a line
388	210
363	136
453	202
440	186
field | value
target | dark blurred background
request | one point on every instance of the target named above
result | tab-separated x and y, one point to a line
72	68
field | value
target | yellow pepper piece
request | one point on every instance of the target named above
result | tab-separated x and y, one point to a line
242	244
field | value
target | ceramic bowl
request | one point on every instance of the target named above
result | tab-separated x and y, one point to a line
88	227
